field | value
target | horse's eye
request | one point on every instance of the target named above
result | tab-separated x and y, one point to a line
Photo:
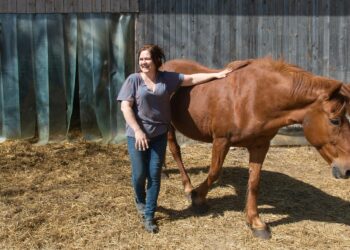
335	121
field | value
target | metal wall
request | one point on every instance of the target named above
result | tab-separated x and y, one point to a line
314	34
68	6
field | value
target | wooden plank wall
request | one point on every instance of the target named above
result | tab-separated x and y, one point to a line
68	6
314	34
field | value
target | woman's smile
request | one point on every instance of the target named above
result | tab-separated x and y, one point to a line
145	62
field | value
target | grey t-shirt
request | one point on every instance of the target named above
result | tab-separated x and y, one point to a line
152	109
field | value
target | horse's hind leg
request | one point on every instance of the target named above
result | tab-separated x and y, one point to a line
219	151
256	159
176	152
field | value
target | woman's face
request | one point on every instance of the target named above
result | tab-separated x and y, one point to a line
145	62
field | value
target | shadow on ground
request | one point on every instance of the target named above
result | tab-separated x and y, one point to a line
279	193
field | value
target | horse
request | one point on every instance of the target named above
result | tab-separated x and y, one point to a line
246	109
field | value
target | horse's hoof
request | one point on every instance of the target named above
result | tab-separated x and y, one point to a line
198	208
261	233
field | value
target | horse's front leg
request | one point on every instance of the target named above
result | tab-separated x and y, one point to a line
176	152
256	159
219	151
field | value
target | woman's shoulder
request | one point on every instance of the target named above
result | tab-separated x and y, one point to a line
134	76
171	75
168	74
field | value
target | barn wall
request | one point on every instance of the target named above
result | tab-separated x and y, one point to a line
68	6
313	34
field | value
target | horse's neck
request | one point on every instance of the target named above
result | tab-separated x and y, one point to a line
307	93
294	102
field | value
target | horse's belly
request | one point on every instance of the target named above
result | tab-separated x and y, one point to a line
190	115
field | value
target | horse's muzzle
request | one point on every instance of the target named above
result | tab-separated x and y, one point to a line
340	173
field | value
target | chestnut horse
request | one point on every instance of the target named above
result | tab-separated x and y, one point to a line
247	108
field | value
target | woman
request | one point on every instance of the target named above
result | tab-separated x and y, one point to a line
145	103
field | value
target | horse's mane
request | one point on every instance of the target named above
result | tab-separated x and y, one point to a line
304	83
306	86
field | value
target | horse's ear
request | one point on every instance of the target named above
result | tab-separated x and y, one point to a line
345	90
334	101
335	91
329	90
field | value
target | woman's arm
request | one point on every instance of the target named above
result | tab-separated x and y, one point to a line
198	78
129	116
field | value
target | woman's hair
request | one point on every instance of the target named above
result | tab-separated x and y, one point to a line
156	52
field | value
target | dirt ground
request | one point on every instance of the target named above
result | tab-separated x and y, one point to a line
77	195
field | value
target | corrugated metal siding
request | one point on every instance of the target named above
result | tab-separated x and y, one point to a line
68	6
315	34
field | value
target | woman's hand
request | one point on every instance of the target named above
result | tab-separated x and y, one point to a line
223	73
141	140
190	80
140	137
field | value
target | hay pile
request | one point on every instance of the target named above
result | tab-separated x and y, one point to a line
78	196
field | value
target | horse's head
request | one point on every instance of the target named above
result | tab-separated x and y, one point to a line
327	127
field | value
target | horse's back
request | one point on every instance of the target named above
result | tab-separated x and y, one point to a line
185	66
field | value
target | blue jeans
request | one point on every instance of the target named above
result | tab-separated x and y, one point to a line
147	165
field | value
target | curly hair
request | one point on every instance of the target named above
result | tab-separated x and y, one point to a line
157	54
